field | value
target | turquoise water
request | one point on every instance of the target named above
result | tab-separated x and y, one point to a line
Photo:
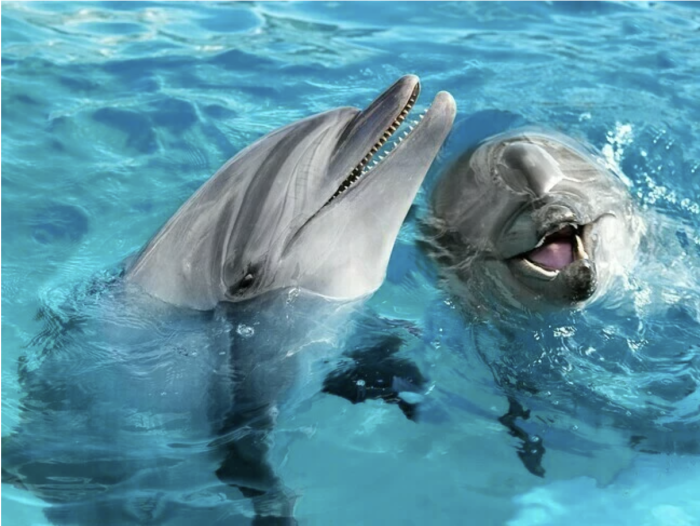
114	113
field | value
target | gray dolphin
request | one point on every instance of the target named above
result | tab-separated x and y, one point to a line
532	220
276	244
305	206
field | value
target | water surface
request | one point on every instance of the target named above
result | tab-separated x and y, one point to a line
114	113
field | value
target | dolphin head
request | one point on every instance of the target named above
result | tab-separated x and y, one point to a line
306	206
538	217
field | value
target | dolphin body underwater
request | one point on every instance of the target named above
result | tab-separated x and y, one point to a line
176	368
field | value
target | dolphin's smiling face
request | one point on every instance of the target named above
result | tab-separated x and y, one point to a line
534	220
305	206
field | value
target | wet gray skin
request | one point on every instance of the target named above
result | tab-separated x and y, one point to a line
532	220
296	210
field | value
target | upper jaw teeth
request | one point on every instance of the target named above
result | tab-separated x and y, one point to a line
368	163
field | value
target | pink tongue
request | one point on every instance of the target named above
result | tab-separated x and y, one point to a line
554	255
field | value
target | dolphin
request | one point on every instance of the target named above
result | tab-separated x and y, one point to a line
271	254
531	221
530	224
305	206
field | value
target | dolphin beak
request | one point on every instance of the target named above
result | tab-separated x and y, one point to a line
425	134
374	204
368	133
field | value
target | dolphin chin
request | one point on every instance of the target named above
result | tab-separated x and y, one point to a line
316	205
534	220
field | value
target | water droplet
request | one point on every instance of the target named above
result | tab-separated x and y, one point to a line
292	295
245	331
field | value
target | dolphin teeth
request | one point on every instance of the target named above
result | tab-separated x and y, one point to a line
580	250
383	144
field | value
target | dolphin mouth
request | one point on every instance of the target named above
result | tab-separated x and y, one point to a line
555	251
384	146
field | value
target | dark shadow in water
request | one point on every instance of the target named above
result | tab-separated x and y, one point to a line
58	223
175	114
531	449
376	373
138	127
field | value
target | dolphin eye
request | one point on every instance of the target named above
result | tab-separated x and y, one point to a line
245	283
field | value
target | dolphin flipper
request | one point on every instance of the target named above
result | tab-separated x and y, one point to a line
376	373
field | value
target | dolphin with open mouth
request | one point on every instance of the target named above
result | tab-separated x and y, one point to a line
534	221
272	248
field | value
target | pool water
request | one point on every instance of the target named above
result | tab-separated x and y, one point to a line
114	113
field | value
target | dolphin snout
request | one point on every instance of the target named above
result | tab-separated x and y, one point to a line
580	280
